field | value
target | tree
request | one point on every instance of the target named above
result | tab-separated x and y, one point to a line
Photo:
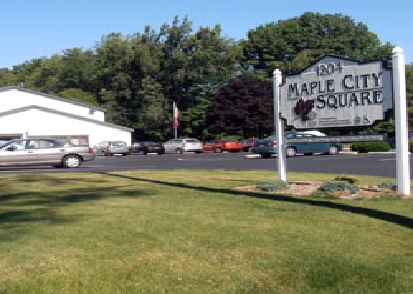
45	77
292	45
116	86
244	107
8	78
78	69
192	67
79	95
151	122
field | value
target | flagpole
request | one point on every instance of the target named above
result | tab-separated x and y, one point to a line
174	119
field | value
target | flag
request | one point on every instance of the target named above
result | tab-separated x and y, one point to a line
176	116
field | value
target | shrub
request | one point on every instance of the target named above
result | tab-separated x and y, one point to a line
375	146
334	186
389	184
347	179
270	186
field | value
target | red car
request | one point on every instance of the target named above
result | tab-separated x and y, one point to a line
247	144
219	146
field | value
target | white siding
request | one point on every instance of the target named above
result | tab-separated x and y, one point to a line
49	118
38	122
14	98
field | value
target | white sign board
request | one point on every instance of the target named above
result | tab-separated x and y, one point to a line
337	92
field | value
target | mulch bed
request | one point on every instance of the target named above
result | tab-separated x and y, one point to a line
306	188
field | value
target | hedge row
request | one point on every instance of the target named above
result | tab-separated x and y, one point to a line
364	147
376	146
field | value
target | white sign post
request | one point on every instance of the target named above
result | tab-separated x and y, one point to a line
279	126
402	142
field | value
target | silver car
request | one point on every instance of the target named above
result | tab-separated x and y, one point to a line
183	145
109	148
24	152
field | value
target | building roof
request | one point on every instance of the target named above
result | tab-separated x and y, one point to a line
78	117
5	89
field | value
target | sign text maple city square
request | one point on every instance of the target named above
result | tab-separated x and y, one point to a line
337	92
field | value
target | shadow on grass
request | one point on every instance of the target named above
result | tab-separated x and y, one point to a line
373	213
20	210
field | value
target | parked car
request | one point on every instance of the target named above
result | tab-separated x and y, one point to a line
392	141
26	152
268	146
146	147
247	144
183	145
219	146
109	148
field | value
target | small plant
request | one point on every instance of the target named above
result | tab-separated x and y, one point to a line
347	179
389	184
334	186
270	186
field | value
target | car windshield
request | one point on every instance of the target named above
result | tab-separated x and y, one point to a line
118	143
4	144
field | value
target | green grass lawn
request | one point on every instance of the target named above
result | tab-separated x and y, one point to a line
191	232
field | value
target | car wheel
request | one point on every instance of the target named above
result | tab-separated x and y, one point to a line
333	150
180	151
266	155
218	150
290	152
72	161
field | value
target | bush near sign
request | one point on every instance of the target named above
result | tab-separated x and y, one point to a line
337	92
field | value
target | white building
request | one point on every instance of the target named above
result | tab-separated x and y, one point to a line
29	114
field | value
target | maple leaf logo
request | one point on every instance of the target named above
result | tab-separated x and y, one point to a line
303	108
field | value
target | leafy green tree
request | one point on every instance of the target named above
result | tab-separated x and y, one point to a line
114	82
244	107
293	44
192	68
137	77
8	78
23	70
45	77
151	123
78	69
79	95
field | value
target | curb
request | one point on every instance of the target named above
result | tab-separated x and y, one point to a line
342	152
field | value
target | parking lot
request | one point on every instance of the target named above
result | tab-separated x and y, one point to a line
346	163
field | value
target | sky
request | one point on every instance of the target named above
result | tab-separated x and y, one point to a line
32	29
